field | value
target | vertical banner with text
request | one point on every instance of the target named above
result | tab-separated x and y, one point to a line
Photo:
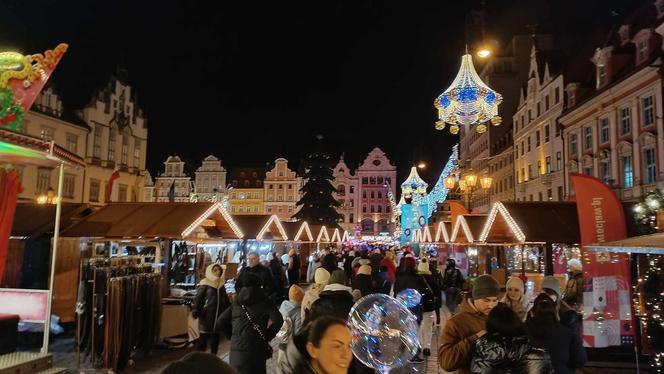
607	312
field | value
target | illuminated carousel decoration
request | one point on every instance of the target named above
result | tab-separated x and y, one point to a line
467	101
22	77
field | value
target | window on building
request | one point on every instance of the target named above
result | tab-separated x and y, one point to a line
111	144
539	195
546	134
539	167
351	189
137	153
530	197
372	180
281	186
557	95
72	143
47	133
537	138
628	175
643	49
516	153
280	198
530	115
625	121
43	180
573	144
523	174
604	130
587	138
68	185
523	148
373	209
341	190
372	194
530	172
528	142
651	165
605	171
588	170
539	112
601	75
648	111
364	208
122	193
125	149
379	180
559	161
387	208
380	209
96	144
290	209
380	195
94	190
365	180
548	164
351	218
268	208
546	102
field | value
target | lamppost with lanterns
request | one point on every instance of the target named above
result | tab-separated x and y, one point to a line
468	184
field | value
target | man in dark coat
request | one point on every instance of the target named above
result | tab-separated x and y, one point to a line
279	277
254	266
452	284
252	309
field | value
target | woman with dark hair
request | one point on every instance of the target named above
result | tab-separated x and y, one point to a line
323	346
545	331
505	348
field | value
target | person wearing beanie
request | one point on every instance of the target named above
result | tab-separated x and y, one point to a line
210	302
429	290
363	281
291	311
464	328
199	363
573	294
336	299
515	297
321	278
566	314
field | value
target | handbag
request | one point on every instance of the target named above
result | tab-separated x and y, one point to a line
268	350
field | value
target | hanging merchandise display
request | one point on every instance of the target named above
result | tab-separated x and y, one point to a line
467	101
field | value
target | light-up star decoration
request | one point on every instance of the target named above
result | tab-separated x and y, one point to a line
468	101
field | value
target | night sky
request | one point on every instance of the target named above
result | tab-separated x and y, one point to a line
250	82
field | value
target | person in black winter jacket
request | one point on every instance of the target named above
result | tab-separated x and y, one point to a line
406	276
279	278
545	331
293	267
252	322
383	284
429	291
363	281
263	273
505	348
210	301
329	262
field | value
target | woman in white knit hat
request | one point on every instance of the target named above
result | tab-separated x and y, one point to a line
321	278
515	297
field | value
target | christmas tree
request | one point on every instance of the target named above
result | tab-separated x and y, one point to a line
317	204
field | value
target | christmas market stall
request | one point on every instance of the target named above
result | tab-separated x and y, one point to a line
150	248
300	238
470	257
647	257
263	234
532	239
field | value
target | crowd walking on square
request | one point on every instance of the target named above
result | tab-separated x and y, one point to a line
483	326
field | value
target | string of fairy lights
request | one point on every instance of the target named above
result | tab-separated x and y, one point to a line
649	306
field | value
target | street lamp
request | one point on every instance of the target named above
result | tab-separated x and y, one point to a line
48	197
468	184
484	53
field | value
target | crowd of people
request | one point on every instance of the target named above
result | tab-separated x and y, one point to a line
484	333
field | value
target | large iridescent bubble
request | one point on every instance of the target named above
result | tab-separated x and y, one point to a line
410	297
384	332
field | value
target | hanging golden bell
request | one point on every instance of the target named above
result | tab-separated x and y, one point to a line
496	120
440	124
481	128
454	129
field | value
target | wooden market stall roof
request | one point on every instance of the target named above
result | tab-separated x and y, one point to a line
648	244
22	149
298	231
532	222
323	233
468	228
261	227
164	220
33	220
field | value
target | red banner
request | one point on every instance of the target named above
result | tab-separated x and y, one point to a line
607	312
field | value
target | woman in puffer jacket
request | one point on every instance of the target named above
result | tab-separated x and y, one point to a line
210	301
505	348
